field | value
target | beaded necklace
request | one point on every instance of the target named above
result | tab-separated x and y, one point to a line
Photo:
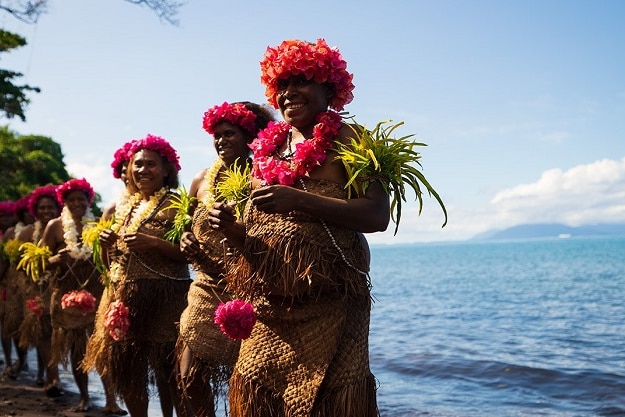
274	169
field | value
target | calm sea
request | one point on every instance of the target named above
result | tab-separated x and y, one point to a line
519	328
523	328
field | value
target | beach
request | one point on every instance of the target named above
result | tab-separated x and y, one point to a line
22	397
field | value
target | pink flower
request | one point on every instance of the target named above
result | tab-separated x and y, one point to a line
81	300
117	320
236	114
236	319
75	184
36	305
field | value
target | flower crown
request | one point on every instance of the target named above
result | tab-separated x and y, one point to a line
38	194
316	61
158	145
121	156
21	205
236	114
75	185
7	207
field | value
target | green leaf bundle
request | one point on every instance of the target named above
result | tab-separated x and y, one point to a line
375	155
183	203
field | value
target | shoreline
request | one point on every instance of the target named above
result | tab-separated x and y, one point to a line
23	397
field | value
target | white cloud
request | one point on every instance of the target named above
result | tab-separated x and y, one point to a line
97	171
585	194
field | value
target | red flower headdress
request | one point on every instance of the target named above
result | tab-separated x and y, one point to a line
75	185
236	114
158	145
121	156
35	196
21	205
316	61
7	207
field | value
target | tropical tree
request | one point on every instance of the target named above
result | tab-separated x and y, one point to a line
28	162
13	99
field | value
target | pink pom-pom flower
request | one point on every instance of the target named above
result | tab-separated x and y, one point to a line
81	300
236	319
117	320
36	305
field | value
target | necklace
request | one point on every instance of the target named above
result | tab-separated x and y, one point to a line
37	231
274	169
211	179
140	212
70	233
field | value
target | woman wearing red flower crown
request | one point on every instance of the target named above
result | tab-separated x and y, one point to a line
136	332
75	287
304	262
43	206
205	355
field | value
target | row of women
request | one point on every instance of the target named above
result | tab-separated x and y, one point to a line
296	253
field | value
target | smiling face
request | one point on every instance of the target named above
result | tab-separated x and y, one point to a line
148	171
47	209
301	100
77	203
230	143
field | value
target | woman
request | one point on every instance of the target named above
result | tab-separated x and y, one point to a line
14	314
206	356
43	207
304	263
75	285
149	278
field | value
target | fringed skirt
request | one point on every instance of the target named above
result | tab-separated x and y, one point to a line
308	352
155	306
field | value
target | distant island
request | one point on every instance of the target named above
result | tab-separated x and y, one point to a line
553	230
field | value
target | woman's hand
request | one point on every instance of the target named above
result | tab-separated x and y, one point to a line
140	241
276	198
189	244
108	238
61	257
222	217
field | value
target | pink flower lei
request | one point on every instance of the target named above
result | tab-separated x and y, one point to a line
308	154
236	114
316	61
45	191
75	185
158	145
121	156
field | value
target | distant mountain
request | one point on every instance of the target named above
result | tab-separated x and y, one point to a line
545	230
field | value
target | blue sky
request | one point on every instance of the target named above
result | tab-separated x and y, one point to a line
521	103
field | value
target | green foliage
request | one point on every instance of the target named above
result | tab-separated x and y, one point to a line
183	204
375	155
235	187
13	97
28	162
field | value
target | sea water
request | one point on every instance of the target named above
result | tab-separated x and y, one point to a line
518	328
481	329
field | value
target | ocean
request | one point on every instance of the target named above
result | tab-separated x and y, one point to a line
501	329
516	328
